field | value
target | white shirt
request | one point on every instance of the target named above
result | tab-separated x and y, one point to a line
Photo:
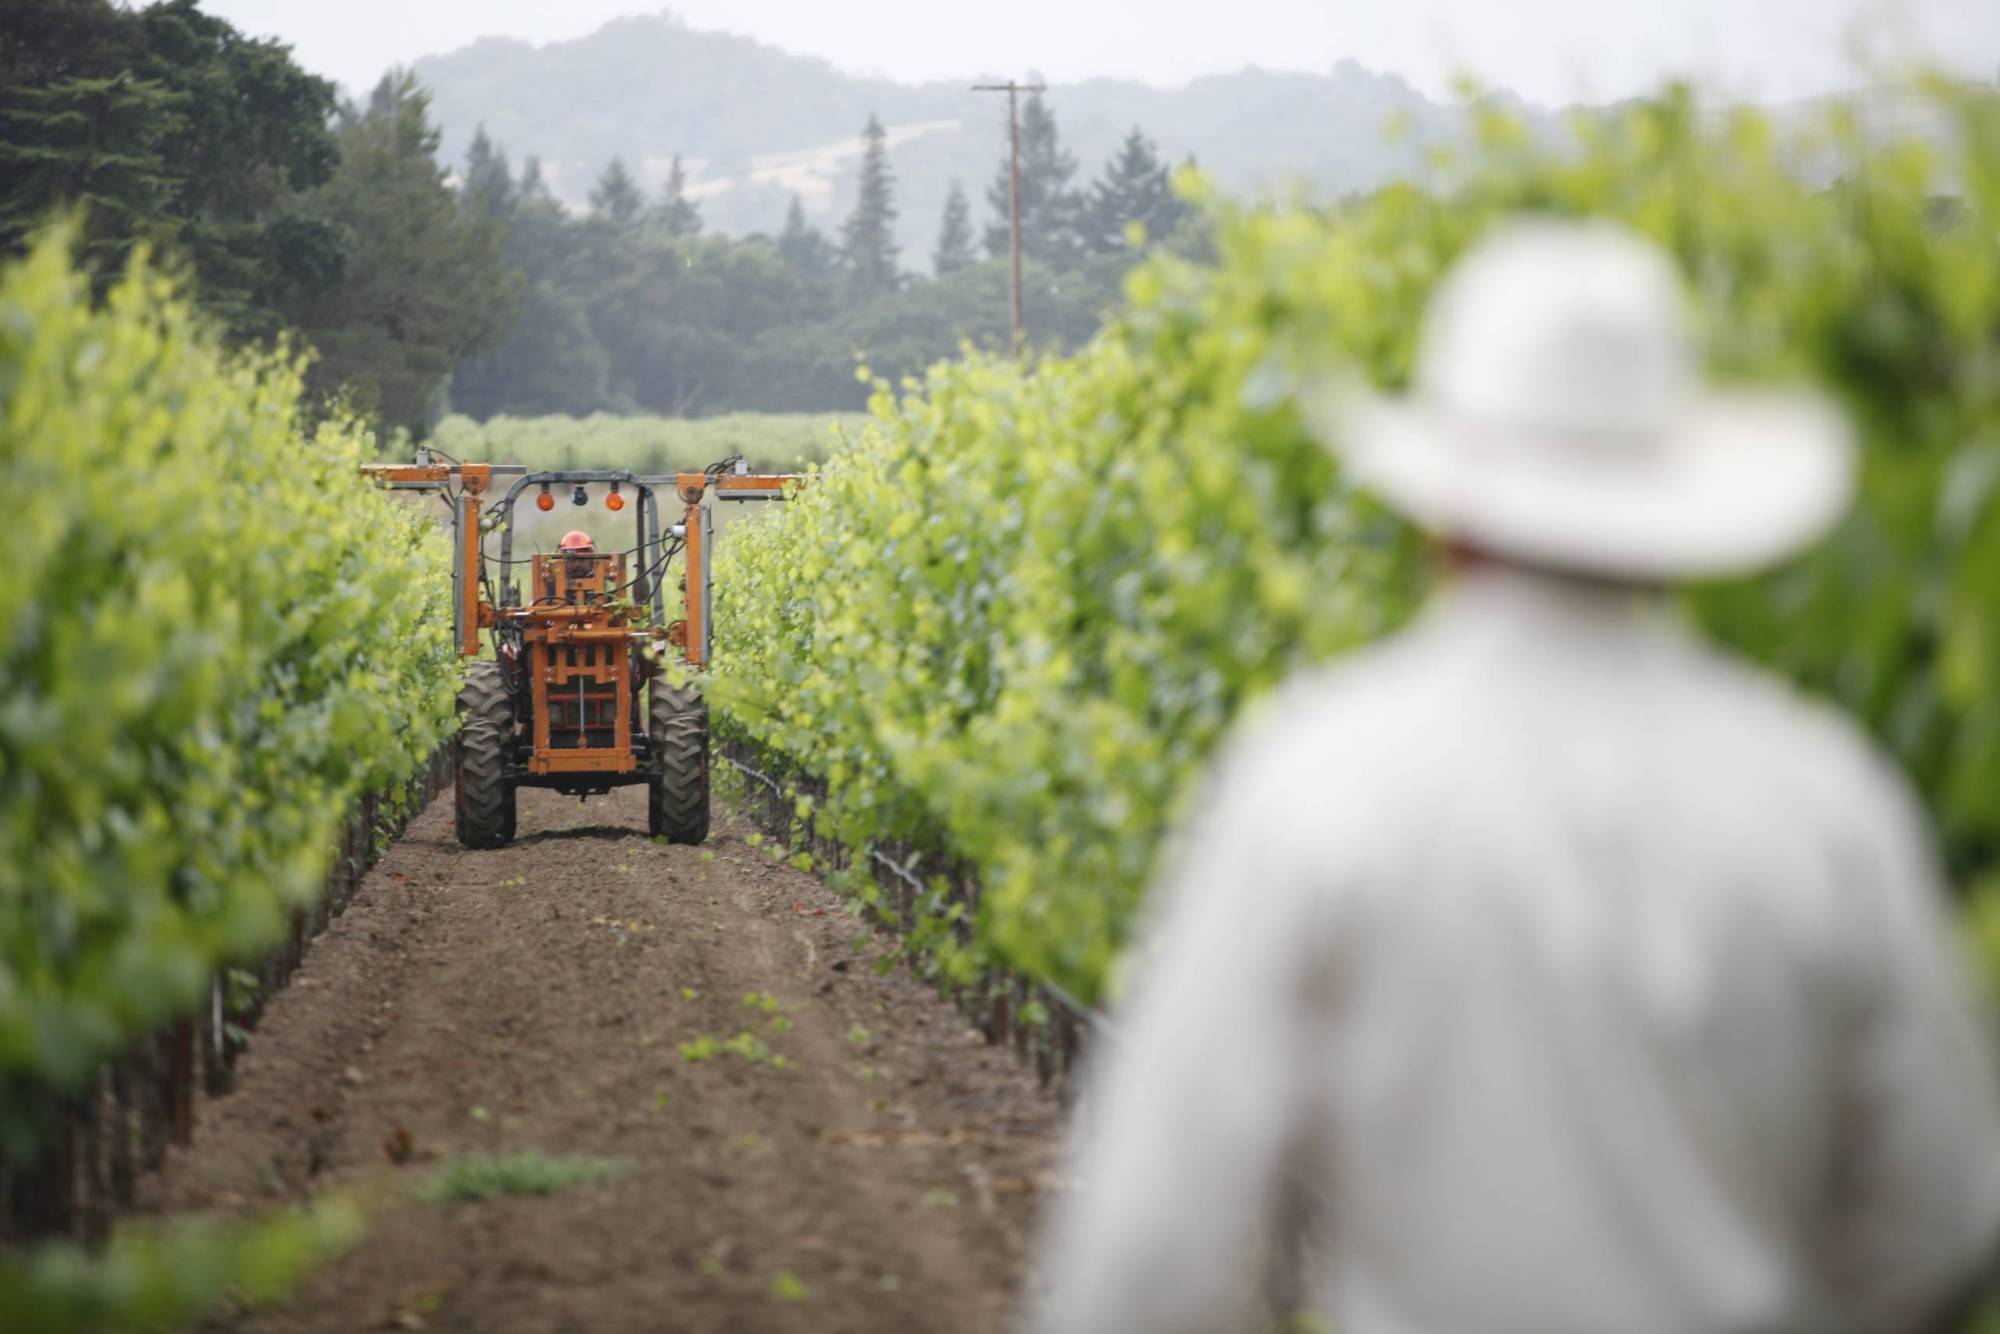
1578	978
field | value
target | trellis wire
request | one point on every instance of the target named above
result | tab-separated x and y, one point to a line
100	1138
995	1006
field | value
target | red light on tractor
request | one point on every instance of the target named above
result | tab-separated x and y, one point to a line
545	501
614	501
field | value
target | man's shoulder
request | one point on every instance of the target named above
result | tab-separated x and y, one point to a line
1402	720
1761	716
1341	724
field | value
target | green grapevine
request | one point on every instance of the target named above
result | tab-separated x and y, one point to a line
214	636
1014	617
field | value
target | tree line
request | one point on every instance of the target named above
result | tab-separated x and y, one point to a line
292	214
633	307
288	213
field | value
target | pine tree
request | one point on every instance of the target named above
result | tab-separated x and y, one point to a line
868	237
804	246
676	214
532	185
954	244
487	187
1051	212
167	125
615	198
1134	187
99	145
795	241
426	286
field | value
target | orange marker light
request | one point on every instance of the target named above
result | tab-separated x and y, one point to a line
614	501
545	501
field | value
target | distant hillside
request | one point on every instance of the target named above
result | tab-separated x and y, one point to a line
755	124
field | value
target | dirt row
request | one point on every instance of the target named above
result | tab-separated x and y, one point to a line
861	1161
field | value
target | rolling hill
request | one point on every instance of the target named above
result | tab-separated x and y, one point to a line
755	124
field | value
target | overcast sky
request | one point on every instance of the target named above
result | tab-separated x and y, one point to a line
1547	50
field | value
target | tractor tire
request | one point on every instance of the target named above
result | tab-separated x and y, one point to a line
677	808
485	725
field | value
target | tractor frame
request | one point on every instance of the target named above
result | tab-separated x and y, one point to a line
581	641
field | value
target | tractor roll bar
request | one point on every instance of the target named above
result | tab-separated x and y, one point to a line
647	521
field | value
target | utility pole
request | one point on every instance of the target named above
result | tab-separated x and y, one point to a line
1013	91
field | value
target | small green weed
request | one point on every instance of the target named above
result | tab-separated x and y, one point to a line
485	1177
704	1047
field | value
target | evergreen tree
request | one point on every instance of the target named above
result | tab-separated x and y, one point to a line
677	215
867	238
487	187
801	243
1051	211
813	259
550	361
426	286
615	198
1134	187
954	244
167	125
95	144
532	185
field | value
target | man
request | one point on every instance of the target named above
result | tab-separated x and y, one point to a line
578	553
1557	973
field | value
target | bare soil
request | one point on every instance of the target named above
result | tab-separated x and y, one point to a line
536	997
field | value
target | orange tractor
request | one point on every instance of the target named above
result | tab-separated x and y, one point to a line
575	696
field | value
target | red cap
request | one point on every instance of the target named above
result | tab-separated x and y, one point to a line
576	540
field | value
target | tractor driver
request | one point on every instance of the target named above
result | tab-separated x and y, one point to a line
581	551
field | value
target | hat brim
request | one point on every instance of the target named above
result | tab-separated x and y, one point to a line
1742	482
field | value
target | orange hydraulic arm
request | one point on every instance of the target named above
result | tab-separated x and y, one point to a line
470	612
695	635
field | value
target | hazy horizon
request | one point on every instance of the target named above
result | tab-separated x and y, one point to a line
1547	51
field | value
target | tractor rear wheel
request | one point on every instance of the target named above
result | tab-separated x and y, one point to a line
485	724
678	725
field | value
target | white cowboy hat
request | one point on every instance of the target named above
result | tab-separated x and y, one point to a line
1557	418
